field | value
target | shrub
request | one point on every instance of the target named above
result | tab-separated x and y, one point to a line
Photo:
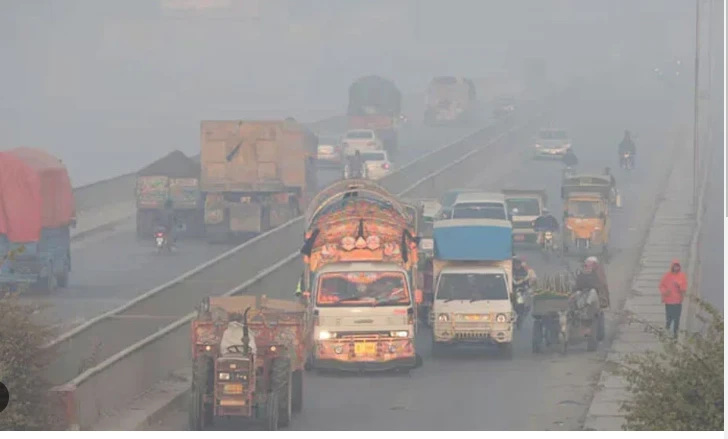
680	388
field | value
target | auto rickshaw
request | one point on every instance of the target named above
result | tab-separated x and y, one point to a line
586	212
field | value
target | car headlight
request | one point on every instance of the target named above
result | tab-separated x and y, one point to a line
325	335
500	318
223	376
400	334
537	145
443	318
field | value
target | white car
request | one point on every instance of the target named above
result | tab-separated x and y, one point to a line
362	140
329	151
377	164
552	144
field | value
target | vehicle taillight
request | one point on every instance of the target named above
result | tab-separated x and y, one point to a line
385	165
160	234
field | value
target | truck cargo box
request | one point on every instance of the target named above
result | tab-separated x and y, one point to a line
35	193
374	95
473	240
256	156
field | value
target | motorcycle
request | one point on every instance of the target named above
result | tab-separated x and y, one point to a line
521	305
549	245
162	241
627	161
347	172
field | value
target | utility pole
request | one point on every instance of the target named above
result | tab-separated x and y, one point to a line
696	104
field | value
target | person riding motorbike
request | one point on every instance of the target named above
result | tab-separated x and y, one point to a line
545	223
167	220
570	159
627	146
356	165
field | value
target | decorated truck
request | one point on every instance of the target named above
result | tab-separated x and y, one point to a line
375	103
248	357
473	274
256	175
37	210
174	177
449	100
360	258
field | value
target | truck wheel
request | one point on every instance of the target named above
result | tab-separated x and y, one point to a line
200	414
271	411
283	384
297	402
537	338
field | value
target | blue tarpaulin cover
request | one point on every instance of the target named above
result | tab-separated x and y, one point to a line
473	240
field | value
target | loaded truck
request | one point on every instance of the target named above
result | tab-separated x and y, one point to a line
449	100
472	275
360	258
248	357
174	177
37	211
256	175
375	103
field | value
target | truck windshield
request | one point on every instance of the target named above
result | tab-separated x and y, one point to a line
373	288
525	206
472	286
584	209
479	211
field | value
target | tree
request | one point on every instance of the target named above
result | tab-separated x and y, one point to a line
22	361
680	388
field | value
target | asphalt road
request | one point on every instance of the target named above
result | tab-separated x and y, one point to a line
112	268
477	389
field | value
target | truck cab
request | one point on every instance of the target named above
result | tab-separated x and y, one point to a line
365	316
472	278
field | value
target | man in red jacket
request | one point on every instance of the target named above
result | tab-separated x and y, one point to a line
673	286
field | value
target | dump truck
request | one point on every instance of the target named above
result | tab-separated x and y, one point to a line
174	177
450	100
248	359
360	257
256	175
37	211
375	103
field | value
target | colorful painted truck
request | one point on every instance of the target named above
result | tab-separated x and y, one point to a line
449	100
360	258
37	210
375	103
248	358
473	274
256	175
174	177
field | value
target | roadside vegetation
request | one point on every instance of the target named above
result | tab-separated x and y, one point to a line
680	388
21	364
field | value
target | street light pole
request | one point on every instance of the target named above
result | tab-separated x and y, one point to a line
696	102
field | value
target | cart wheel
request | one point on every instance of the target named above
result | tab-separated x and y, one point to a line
600	327
537	338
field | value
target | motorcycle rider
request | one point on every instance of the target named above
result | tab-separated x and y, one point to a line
356	165
570	159
627	146
167	220
545	223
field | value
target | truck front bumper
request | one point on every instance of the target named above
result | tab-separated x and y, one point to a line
364	355
474	336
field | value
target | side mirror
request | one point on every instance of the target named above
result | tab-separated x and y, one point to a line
418	296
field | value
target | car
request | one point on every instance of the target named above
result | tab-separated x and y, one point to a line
504	105
329	151
551	144
377	164
362	140
477	205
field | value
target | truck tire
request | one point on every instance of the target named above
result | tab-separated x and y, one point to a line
283	385
270	418
297	403
200	416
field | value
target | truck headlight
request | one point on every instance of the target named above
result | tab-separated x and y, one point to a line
400	334
500	318
443	318
223	376
325	335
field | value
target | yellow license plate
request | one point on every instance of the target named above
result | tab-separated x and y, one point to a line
473	317
233	389
365	348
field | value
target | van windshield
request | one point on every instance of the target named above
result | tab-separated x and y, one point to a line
472	286
372	288
525	206
479	211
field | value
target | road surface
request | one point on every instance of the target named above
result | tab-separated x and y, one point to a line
477	389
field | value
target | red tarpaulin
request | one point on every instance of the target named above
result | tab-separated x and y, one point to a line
35	193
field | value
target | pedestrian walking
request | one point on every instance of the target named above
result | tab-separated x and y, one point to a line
673	286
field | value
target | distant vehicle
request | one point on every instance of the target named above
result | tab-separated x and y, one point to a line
449	99
377	164
504	105
362	140
375	103
478	205
329	151
551	144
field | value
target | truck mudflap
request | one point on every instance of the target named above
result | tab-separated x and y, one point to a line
365	355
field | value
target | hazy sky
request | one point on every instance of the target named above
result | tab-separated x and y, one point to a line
110	86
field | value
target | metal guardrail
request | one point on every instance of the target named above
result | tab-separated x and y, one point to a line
172	341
